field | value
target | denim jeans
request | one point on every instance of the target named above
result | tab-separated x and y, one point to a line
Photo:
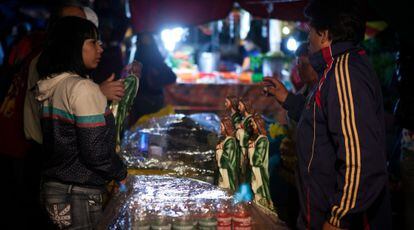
70	206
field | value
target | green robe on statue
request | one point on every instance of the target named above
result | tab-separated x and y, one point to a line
236	119
227	160
243	134
259	161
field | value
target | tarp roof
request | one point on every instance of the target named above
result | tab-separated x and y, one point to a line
152	15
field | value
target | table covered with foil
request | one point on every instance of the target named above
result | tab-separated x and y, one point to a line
165	202
179	145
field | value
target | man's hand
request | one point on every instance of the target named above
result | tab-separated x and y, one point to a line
328	226
272	86
113	90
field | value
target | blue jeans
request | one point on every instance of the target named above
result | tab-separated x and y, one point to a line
71	206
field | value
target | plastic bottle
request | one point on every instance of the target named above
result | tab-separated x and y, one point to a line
161	223
207	220
241	217
140	219
183	223
141	223
224	215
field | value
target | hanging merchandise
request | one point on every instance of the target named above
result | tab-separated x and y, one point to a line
120	109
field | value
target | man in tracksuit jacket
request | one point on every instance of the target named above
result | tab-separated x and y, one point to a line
342	176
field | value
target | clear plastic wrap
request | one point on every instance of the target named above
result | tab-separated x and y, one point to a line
181	145
164	202
155	199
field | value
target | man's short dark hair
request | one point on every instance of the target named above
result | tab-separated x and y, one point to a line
63	48
342	19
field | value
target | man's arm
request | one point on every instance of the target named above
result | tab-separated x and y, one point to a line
294	104
352	111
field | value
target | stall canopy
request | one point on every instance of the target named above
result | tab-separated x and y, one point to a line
289	10
152	15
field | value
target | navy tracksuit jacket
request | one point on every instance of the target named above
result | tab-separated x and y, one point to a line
341	143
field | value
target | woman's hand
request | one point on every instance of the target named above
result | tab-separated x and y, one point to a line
113	90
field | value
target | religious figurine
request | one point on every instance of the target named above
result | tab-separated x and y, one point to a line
242	134
232	107
120	110
227	156
258	153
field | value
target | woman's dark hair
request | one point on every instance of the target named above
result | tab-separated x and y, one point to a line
342	19
63	48
302	50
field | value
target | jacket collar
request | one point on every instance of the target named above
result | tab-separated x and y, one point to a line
323	58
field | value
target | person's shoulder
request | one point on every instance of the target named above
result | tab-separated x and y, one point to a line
355	70
82	87
86	96
361	68
353	64
358	57
82	84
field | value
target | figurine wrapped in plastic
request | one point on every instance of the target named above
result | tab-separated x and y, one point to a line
242	134
259	160
227	156
232	107
130	76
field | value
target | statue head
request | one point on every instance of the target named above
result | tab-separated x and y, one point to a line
226	126
232	103
245	106
258	125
